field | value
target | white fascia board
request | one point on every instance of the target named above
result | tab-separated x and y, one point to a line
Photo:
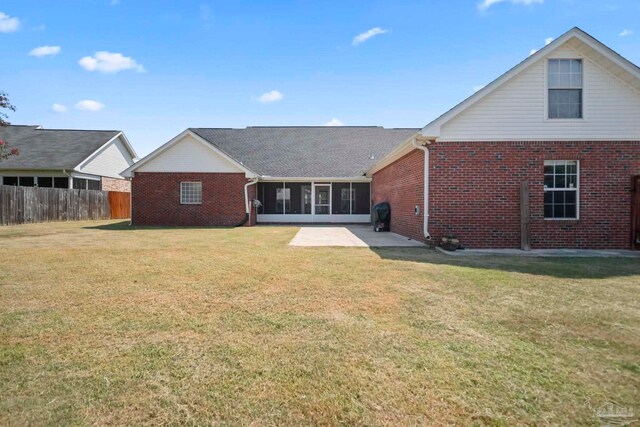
76	174
265	178
122	137
432	130
128	172
132	152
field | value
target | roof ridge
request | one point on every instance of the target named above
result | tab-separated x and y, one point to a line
81	130
305	127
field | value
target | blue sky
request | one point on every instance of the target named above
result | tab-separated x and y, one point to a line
170	65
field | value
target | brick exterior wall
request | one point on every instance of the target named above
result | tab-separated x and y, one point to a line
156	199
112	184
401	184
475	193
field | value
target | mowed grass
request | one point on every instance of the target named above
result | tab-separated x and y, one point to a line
101	324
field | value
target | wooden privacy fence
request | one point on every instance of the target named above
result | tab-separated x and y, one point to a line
120	203
20	205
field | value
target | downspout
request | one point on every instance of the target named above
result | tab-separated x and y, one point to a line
425	209
247	206
131	199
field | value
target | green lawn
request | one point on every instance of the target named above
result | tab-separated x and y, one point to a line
102	324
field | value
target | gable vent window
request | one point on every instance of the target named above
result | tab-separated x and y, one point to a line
191	193
561	189
565	88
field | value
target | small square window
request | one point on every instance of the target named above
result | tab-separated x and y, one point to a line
190	193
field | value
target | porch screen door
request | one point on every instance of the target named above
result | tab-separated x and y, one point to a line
323	199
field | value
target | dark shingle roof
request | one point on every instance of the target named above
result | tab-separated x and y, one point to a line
51	148
307	151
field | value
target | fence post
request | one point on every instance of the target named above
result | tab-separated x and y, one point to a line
525	217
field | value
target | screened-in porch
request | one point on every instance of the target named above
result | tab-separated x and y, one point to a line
316	201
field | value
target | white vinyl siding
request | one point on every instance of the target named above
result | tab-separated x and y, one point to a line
189	155
518	109
110	161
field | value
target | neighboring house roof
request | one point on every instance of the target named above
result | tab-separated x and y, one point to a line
53	149
299	152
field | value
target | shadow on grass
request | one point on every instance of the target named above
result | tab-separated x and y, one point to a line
561	267
124	226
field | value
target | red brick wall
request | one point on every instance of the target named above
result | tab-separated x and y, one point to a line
401	184
156	199
474	192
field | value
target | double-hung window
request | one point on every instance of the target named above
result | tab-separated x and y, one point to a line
190	193
565	88
561	189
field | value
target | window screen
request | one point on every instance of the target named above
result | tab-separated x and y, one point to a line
267	196
283	200
10	180
565	88
61	182
27	181
190	193
45	181
79	184
362	194
342	199
299	198
92	184
560	189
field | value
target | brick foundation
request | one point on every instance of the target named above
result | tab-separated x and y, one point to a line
474	192
112	184
156	199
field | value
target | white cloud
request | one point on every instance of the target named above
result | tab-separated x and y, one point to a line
477	88
89	105
486	4
8	24
546	42
272	96
45	51
626	33
108	62
59	108
334	122
363	37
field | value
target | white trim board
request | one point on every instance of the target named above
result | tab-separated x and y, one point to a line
310	219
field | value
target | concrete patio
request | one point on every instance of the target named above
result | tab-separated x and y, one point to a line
349	235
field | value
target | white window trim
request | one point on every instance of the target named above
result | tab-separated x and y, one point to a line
577	218
546	91
182	202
